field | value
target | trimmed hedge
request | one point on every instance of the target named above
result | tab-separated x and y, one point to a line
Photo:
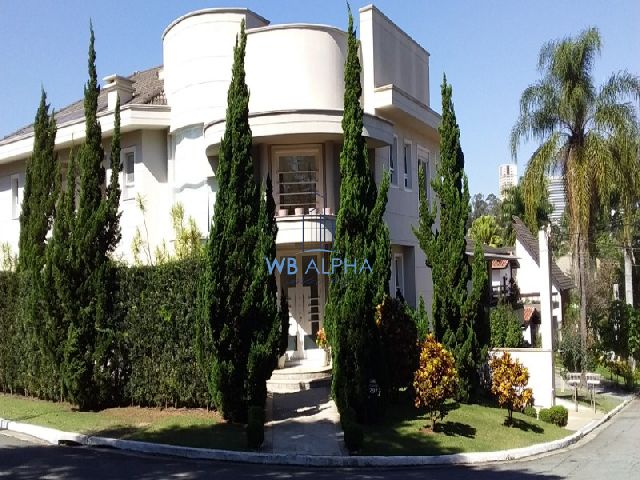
557	415
160	306
10	375
155	318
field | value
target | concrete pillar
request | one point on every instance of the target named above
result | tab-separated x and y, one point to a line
628	277
546	395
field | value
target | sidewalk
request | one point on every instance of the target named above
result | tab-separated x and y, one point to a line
304	423
585	414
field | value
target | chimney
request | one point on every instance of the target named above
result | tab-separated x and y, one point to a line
116	85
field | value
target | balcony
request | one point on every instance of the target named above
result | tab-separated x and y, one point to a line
306	226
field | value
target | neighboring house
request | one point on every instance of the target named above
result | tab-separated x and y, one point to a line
528	276
173	117
502	264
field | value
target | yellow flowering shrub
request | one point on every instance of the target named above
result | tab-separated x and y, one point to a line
509	379
436	379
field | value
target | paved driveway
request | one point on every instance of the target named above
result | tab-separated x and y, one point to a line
612	455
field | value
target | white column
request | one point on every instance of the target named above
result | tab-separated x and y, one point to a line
547	393
628	277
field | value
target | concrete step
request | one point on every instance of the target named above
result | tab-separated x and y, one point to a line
291	374
292	385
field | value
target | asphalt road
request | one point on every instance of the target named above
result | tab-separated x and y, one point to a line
613	454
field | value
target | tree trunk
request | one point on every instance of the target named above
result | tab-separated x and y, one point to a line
582	254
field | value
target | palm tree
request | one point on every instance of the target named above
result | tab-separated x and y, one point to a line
574	123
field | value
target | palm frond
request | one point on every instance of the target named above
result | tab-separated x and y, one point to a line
543	160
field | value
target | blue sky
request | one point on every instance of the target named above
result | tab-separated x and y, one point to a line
488	50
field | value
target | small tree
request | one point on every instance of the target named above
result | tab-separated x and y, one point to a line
506	331
509	380
436	380
421	319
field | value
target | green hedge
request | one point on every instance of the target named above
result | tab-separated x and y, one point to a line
10	375
155	316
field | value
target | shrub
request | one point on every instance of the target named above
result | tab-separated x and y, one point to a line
506	329
255	427
436	380
509	380
530	411
399	339
557	415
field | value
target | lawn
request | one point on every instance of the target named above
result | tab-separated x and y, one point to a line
467	428
186	427
604	403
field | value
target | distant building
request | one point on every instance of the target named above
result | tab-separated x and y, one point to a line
557	198
507	177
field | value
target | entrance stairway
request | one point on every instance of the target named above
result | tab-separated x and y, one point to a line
298	377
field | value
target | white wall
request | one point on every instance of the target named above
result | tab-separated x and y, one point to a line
198	54
10	225
539	363
394	56
293	67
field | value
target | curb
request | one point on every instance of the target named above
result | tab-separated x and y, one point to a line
57	437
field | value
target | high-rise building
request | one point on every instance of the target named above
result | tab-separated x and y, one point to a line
557	198
507	177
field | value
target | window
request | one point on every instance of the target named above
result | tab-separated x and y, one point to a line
299	179
398	276
15	197
393	154
129	169
424	161
407	166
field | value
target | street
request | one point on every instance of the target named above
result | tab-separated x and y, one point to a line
613	454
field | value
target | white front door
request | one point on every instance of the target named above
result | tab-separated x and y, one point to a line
305	290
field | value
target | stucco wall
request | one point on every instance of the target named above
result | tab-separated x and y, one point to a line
540	365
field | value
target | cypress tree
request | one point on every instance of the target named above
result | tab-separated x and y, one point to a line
38	204
227	310
39	191
265	321
360	234
445	250
94	236
59	274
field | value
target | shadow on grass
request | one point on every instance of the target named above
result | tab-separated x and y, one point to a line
225	436
456	429
524	426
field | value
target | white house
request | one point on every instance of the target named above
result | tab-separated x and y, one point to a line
528	276
173	117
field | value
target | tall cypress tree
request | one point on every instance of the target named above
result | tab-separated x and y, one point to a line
265	321
40	191
227	310
445	249
94	236
360	234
